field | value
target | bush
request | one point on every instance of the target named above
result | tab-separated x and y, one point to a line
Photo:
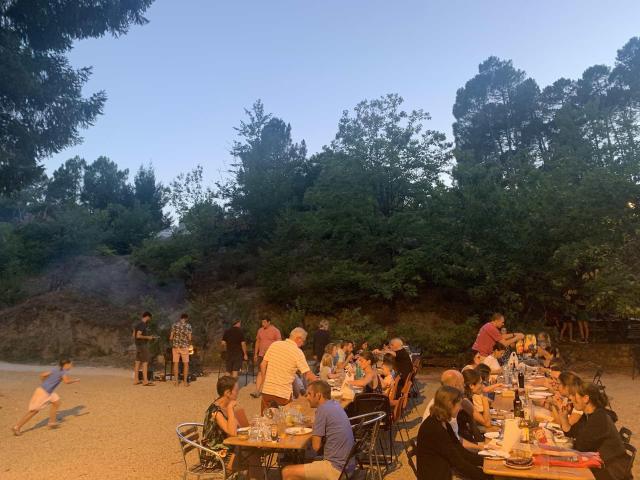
444	338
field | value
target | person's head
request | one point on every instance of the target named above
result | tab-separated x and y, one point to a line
474	358
298	335
318	392
366	360
498	350
484	371
327	360
237	323
567	381
364	346
452	378
65	363
472	382
184	317
227	387
146	316
446	403
265	322
396	344
331	349
587	395
388	363
543	340
498	320
347	346
324	324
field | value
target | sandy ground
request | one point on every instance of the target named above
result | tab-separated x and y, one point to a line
113	430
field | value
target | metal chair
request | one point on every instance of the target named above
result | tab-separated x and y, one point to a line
377	402
412	451
625	434
359	442
366	428
597	377
190	446
631	454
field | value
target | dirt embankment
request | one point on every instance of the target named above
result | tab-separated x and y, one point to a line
84	307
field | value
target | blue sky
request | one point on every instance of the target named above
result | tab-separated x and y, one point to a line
178	85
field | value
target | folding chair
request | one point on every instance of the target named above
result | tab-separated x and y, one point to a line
190	446
631	454
625	434
412	452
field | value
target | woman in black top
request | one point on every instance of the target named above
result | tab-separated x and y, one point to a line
371	381
596	432
439	451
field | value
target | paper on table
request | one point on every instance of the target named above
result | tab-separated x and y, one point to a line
347	391
511	434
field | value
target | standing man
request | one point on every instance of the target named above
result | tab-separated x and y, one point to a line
331	429
143	355
233	341
321	339
180	338
279	367
267	334
490	333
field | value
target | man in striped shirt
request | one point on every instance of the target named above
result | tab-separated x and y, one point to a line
279	366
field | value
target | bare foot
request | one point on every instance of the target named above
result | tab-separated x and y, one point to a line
16	431
137	383
53	425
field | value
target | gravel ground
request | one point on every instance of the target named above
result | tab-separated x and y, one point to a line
113	430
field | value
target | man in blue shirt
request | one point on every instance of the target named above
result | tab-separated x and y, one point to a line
332	430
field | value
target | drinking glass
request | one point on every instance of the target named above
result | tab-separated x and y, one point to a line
544	463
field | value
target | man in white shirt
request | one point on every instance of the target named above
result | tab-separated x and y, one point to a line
492	360
279	366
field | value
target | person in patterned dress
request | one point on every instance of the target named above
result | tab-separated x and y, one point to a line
180	338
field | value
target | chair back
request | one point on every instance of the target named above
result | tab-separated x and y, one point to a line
358	445
625	434
189	437
412	452
631	454
373	402
597	377
394	387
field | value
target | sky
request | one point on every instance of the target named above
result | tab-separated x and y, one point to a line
179	85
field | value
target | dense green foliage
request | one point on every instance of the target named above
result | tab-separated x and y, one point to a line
41	102
533	208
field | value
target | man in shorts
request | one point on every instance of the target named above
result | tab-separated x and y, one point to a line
332	427
180	338
233	340
267	334
142	337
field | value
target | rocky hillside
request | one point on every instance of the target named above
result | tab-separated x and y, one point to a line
84	307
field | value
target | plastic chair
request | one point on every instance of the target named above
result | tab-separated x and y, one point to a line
625	434
189	437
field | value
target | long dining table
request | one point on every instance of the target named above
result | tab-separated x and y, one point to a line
504	403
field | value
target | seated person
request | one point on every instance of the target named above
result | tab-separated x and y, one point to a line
596	432
370	381
439	452
544	352
388	373
493	360
473	360
332	430
473	391
563	411
326	367
364	347
221	420
485	375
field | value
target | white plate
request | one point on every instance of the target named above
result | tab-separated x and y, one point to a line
298	431
518	467
492	435
537	376
493	454
539	389
560	439
540	395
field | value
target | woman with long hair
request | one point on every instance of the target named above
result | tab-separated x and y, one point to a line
596	432
438	450
563	410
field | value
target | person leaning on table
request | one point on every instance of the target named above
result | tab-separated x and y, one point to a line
439	452
279	368
596	432
331	433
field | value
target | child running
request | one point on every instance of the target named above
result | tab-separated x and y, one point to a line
45	394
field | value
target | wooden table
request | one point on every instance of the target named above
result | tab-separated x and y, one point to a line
499	469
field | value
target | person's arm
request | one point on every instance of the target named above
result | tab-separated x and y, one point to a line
263	372
228	425
310	376
491	388
510	338
171	335
68	380
363	382
44	375
483	418
560	417
143	337
243	344
316	443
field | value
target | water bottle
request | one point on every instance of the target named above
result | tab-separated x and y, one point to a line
507	375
